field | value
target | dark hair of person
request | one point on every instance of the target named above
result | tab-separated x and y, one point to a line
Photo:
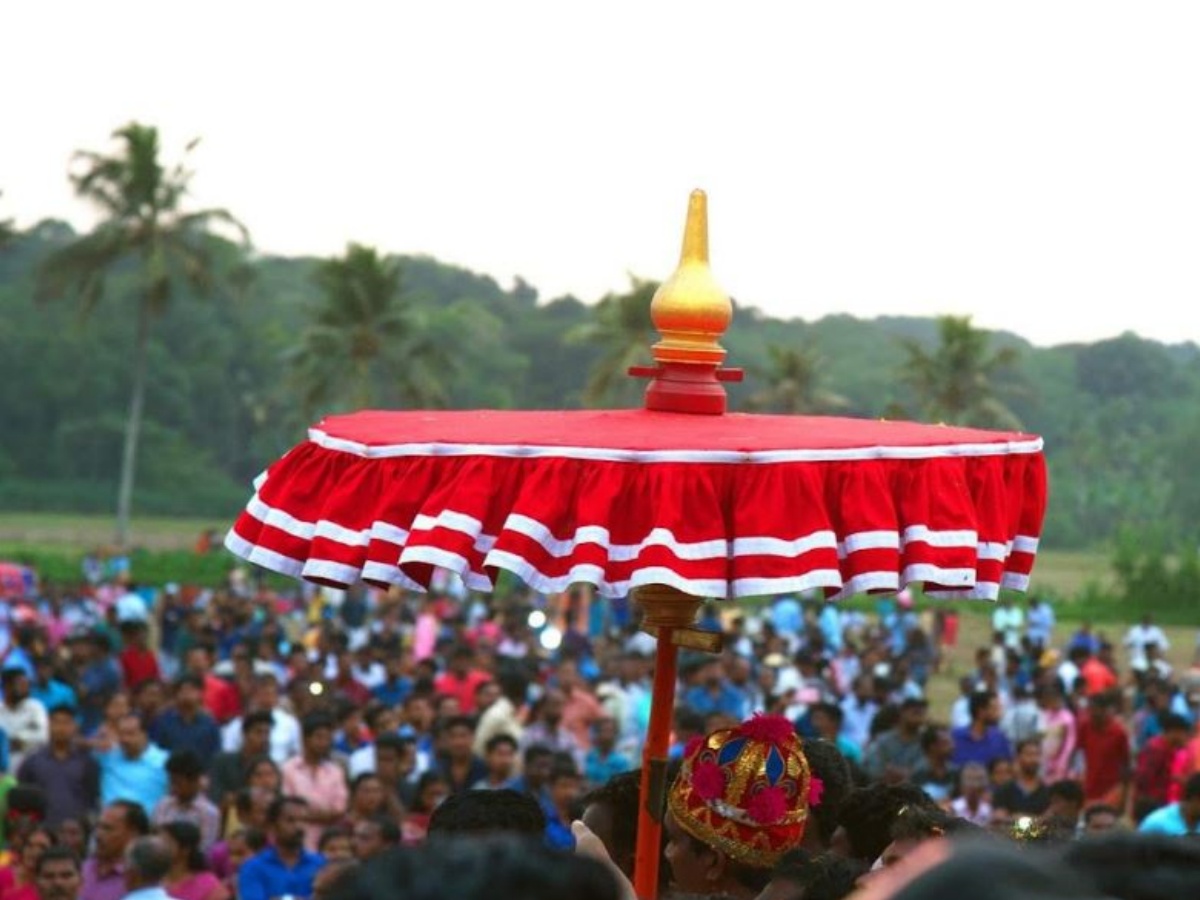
979	702
26	798
389	831
929	736
920	823
825	761
1071	791
688	720
280	803
185	763
258	717
359	779
563	768
314	722
868	814
488	812
824	877
477	867
621	794
136	819
1137	866
61	709
332	833
536	752
423	783
255	838
451	722
256	762
189	679
187	836
832	710
58	853
499	740
393	742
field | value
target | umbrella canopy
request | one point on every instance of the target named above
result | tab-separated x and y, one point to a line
715	506
675	502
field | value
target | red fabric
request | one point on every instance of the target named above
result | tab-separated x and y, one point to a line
221	699
963	520
138	665
1099	678
1156	770
1105	757
462	689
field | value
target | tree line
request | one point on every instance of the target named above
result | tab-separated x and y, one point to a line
157	362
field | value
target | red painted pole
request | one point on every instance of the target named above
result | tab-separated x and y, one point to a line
654	769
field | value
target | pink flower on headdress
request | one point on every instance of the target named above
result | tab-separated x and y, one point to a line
816	790
708	781
769	729
768	806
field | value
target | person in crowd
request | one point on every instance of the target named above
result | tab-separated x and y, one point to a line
189	877
972	804
504	716
58	874
1100	819
828	721
726	834
374	836
500	759
1058	733
370	800
581	709
1026	794
1039	625
285	868
1141	636
937	775
431	792
558	803
138	662
604	761
461	679
220	698
895	754
285	738
336	845
67	774
19	881
1066	804
859	709
22	718
867	816
1104	745
185	802
982	741
99	676
134	769
229	770
458	764
120	824
547	728
186	725
147	863
1178	819
314	776
1155	780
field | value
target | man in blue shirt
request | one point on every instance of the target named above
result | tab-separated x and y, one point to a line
982	741
48	690
133	770
188	726
1179	819
713	693
284	869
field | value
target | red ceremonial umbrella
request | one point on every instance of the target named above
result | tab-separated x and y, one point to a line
674	503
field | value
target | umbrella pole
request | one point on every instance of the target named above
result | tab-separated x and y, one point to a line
665	610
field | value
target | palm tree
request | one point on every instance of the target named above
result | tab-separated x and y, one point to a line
794	379
365	327
621	326
144	227
955	383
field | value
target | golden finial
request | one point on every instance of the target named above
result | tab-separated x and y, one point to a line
689	309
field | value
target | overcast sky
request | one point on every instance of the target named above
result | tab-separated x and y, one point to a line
1034	164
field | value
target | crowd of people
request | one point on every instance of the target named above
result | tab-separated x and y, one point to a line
256	744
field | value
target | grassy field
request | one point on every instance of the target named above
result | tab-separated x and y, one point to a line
61	531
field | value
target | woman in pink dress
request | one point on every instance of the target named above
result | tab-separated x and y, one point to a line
1058	734
189	877
19	881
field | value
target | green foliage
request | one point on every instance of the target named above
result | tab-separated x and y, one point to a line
150	567
795	384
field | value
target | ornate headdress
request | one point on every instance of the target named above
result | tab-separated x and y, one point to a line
746	791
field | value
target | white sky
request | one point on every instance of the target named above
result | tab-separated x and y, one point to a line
1035	164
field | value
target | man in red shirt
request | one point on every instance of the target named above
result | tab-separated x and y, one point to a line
138	662
1104	743
1097	674
221	698
460	680
1155	764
